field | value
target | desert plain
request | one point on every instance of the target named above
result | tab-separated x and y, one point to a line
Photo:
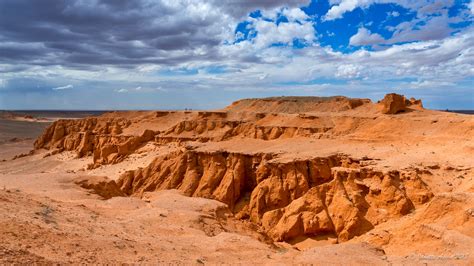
282	180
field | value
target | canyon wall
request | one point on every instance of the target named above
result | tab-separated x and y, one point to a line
332	195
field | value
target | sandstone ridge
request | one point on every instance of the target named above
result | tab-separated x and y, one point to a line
332	195
297	104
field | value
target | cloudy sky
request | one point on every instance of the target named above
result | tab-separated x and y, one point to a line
170	54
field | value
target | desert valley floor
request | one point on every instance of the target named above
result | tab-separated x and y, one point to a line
284	180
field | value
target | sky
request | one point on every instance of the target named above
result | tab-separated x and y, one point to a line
176	54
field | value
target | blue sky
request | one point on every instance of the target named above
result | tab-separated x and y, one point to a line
103	54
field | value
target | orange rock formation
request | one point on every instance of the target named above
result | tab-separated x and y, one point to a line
287	191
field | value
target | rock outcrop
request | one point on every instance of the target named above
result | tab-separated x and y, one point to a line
100	185
394	103
347	206
219	130
332	195
100	138
64	133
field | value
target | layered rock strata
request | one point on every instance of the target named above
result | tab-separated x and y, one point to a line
332	195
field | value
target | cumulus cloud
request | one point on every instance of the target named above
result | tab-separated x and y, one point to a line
433	28
295	14
365	37
420	29
270	33
337	11
348	71
66	87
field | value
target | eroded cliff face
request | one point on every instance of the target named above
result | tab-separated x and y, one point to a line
109	141
321	196
224	130
102	139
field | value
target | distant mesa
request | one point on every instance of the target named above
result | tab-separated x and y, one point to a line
13	116
392	103
297	104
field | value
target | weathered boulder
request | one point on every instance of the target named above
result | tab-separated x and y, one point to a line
415	103
393	103
101	185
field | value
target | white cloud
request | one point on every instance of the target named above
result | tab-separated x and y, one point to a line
338	10
431	28
148	68
433	7
348	71
295	14
63	87
471	6
394	14
160	89
365	37
431	84
450	59
269	33
434	28
141	89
